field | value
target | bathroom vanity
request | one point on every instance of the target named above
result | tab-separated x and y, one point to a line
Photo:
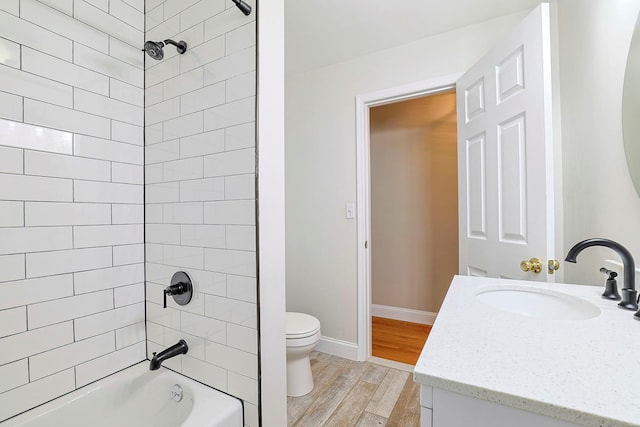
503	353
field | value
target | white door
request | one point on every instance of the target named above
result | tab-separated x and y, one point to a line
505	156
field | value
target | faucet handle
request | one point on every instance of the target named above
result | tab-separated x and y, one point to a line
611	286
612	274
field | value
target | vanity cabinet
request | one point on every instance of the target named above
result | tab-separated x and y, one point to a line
476	373
440	408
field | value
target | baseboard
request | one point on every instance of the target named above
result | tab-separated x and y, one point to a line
339	348
404	314
392	364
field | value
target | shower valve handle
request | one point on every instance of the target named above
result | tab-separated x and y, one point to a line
177	289
181	289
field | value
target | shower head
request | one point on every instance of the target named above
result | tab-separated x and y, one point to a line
243	6
154	49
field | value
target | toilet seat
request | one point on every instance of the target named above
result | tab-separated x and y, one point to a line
303	341
302	329
300	325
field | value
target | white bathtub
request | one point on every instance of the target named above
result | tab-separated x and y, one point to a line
136	397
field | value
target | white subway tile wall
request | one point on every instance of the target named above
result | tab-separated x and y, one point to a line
71	195
200	198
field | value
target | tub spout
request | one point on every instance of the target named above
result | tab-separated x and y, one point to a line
175	350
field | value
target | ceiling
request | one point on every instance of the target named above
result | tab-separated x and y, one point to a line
324	32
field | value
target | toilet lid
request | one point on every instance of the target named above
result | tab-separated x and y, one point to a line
300	324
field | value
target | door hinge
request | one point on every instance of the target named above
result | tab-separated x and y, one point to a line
366	244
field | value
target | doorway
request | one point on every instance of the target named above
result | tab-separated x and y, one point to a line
414	219
403	162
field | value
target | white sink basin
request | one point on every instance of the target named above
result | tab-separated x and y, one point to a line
539	303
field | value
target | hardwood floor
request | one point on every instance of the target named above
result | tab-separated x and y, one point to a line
361	394
398	340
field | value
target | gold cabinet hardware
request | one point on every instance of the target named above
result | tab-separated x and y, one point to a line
533	264
552	266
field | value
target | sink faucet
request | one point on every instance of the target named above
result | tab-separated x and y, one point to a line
629	292
175	350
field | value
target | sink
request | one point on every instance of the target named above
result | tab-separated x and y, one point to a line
538	303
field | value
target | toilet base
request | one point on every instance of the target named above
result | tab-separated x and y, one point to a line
299	378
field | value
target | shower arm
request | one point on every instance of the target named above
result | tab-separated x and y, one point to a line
181	46
169	41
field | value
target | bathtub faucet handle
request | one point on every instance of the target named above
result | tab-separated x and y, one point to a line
181	289
177	289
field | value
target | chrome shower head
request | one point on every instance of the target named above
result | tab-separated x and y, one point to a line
244	7
154	49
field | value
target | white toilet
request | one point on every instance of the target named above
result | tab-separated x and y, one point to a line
303	334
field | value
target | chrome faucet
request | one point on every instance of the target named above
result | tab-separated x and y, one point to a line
175	350
629	293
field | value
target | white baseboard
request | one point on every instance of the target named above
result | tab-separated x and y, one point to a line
392	364
339	348
404	314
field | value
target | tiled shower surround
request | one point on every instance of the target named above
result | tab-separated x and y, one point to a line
200	193
72	207
71	196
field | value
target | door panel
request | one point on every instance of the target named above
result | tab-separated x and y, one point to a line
512	181
474	100
472	271
510	76
476	179
505	161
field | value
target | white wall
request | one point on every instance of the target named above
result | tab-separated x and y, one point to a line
414	202
321	163
71	196
200	192
599	199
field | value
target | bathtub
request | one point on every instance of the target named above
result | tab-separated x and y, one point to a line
137	397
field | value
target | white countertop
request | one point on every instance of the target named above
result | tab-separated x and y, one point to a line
582	371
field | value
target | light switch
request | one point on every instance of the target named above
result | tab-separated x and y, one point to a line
350	210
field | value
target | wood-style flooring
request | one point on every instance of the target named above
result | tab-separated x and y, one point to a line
398	340
355	394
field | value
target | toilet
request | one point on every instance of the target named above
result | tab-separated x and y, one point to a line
303	334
